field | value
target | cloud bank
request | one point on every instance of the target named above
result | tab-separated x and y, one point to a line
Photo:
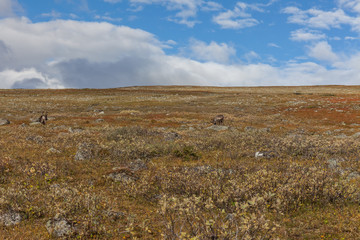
79	54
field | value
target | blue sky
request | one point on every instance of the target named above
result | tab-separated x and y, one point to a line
115	43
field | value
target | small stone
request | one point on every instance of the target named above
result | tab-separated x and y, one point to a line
171	136
84	152
37	139
353	175
249	129
52	150
121	174
34	123
218	128
265	130
334	164
137	165
341	136
259	154
10	218
266	154
4	122
75	130
59	227
356	135
99	120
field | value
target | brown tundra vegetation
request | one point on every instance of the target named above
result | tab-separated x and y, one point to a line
145	163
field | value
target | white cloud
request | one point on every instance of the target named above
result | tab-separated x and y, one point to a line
251	56
52	14
273	45
66	39
107	18
314	18
9	8
350	38
352	5
317	18
186	9
306	35
211	6
237	18
27	78
322	51
213	51
240	17
79	54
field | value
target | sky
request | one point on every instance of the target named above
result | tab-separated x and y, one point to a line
118	43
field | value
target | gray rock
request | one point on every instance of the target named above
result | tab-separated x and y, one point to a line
114	215
34	123
333	163
4	122
249	129
75	130
353	175
124	175
37	139
265	154
59	227
52	150
10	218
99	120
218	128
171	136
265	130
84	152
356	135
138	165
341	136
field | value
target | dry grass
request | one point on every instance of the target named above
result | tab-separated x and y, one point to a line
191	182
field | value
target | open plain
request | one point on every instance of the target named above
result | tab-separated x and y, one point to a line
147	163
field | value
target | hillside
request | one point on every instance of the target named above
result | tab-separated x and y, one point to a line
147	163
